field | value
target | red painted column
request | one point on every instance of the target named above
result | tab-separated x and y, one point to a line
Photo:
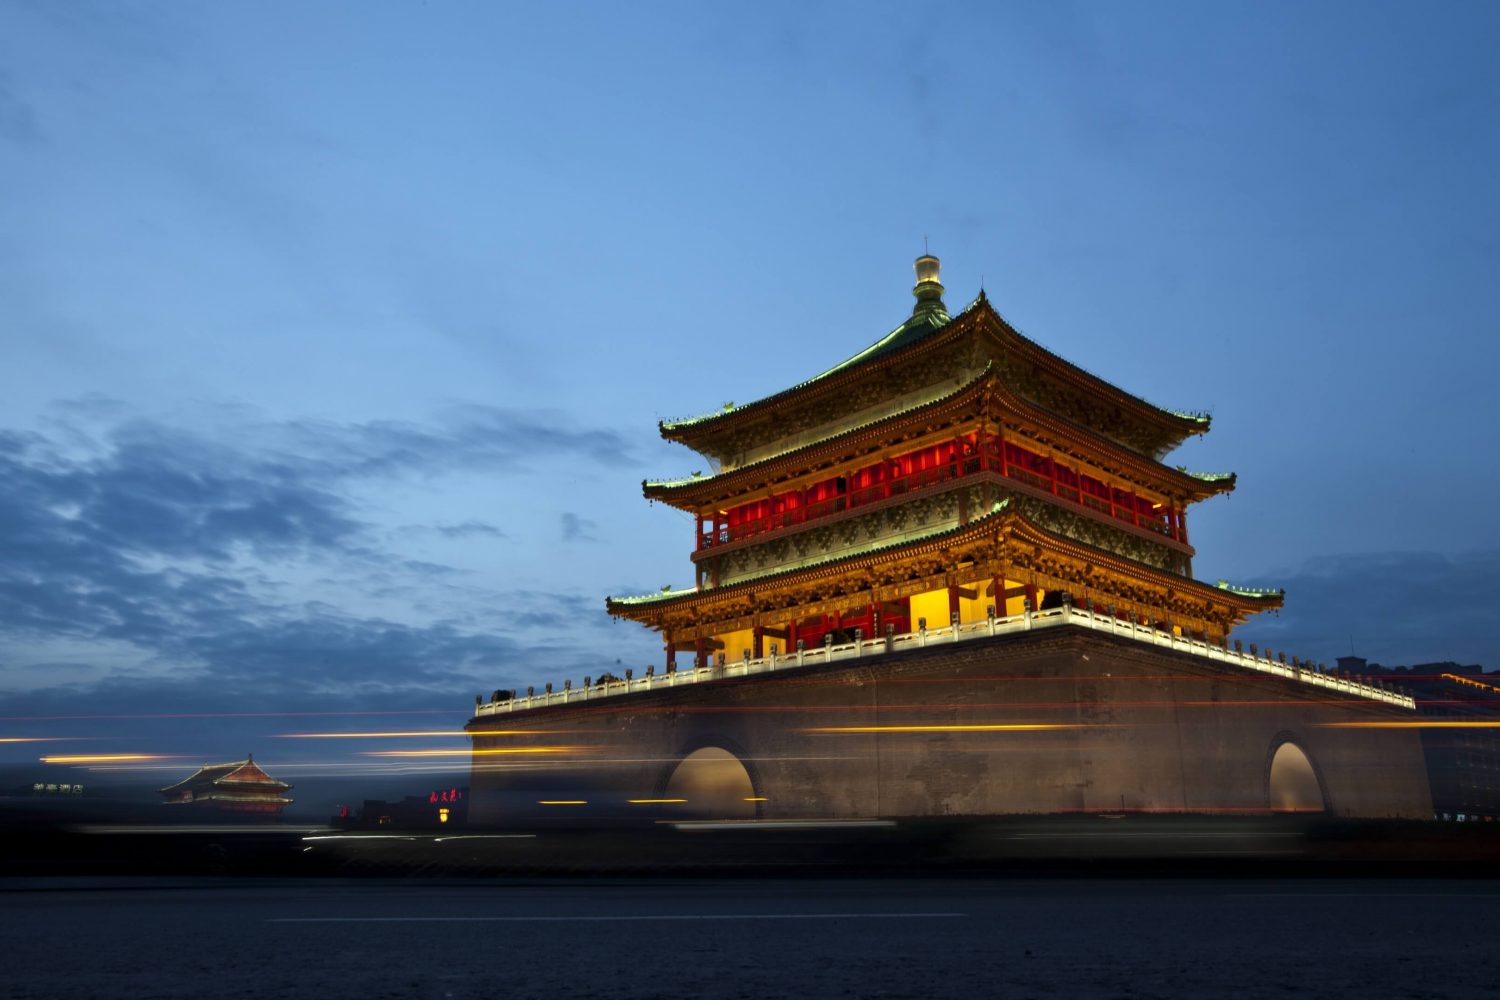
952	602
700	653
1182	526
671	654
758	643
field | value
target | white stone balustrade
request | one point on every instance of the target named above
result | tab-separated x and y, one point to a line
1052	618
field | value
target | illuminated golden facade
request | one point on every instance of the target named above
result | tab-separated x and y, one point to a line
953	471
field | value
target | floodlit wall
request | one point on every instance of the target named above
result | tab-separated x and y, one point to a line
1038	722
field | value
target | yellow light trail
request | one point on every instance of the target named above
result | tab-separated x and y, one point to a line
652	802
466	752
417	733
756	798
30	739
997	727
562	802
103	758
1445	724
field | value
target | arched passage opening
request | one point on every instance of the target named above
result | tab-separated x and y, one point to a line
1293	782
713	783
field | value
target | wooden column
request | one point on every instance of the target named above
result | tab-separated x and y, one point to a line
758	642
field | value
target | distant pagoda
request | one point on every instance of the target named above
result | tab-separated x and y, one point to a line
952	471
237	787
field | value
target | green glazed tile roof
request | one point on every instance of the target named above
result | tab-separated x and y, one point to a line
871	548
1249	591
914	329
699	477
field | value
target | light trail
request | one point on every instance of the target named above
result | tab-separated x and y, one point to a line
1433	724
997	727
105	758
653	802
467	752
401	734
223	715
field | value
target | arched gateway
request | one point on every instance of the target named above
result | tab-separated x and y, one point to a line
1292	784
714	783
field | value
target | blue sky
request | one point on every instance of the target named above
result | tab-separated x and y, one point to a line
335	336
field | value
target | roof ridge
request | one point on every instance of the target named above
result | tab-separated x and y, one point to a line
666	594
986	372
890	342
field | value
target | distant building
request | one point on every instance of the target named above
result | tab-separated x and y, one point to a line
1459	706
441	808
237	787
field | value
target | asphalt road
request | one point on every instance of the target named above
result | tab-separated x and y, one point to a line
748	938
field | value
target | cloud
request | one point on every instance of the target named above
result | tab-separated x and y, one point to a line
469	529
577	529
182	546
1394	607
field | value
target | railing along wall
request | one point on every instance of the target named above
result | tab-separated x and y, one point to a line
780	662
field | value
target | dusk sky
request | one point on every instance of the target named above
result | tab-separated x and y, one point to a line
335	336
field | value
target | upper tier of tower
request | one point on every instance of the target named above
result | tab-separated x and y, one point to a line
924	359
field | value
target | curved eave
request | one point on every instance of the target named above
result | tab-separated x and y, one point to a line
1002	519
702	489
914	331
1212	483
253	786
693	492
698	433
1185	424
623	606
891	347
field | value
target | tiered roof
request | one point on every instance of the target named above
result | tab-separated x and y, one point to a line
1002	521
237	782
1154	430
987	390
933	372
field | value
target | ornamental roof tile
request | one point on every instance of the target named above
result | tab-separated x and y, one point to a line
697	477
872	548
1266	598
914	329
1258	592
236	774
